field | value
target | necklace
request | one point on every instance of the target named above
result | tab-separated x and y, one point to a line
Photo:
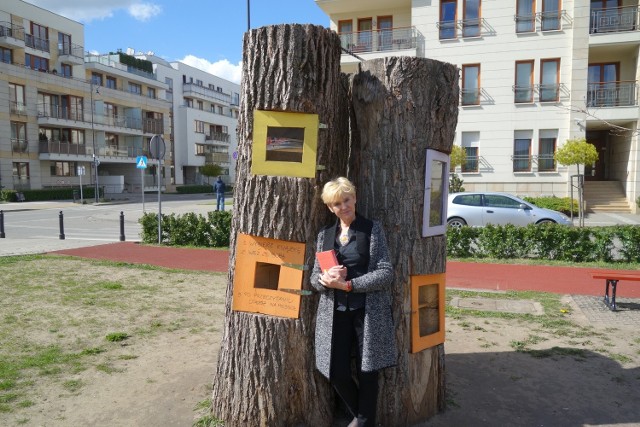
344	236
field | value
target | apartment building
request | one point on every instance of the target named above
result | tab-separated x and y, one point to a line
204	111
533	73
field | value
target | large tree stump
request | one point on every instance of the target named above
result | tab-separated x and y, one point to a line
402	106
265	373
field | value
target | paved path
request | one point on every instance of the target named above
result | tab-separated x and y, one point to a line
561	280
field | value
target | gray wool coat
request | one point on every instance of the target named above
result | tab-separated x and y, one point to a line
379	346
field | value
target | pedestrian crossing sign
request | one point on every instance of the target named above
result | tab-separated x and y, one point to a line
141	162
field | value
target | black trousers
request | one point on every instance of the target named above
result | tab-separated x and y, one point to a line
361	398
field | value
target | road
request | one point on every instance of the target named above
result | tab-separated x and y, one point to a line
34	227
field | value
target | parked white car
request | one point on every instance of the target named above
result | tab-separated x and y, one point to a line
477	209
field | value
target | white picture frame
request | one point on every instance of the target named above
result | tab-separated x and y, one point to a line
436	193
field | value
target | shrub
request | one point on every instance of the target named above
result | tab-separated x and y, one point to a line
560	204
189	229
193	189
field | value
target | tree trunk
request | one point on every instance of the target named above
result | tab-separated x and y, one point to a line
265	373
402	107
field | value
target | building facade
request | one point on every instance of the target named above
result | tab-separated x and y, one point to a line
533	73
204	111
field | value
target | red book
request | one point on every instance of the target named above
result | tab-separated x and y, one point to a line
327	259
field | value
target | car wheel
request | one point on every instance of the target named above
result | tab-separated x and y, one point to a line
545	221
456	222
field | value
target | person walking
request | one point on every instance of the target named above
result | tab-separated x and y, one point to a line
219	188
355	304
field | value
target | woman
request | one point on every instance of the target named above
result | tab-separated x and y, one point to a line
355	303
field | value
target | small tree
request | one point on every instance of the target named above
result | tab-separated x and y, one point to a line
211	169
458	157
577	152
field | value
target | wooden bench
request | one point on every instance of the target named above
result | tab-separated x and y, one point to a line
612	278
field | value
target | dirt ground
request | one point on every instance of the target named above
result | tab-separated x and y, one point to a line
581	376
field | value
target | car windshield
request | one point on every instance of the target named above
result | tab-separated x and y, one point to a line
468	200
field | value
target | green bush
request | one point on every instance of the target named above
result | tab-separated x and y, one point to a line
546	242
48	194
638	202
189	229
560	204
193	189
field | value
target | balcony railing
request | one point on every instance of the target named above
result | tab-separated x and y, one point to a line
19	145
21	183
64	113
121	151
195	90
470	96
71	49
36	43
548	92
612	94
551	20
154	126
217	136
523	94
118	121
7	29
466	28
216	158
108	62
379	40
546	163
521	162
64	147
18	108
615	19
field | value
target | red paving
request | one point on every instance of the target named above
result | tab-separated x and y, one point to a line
503	277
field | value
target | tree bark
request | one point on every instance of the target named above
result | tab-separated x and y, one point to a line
265	374
401	107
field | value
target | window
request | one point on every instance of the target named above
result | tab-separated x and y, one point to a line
447	22
550	17
135	88
522	155
546	151
468	200
39	37
64	168
111	82
199	82
549	80
200	105
188	102
21	170
111	140
471	18
525	16
75	107
524	82
199	126
36	62
169	82
385	32
497	201
66	70
64	44
471	146
471	84
96	79
220	110
16	98
151	93
6	55
604	89
111	114
18	134
364	35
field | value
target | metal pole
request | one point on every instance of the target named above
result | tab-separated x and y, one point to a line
96	162
248	15
159	202
142	187
1	224
61	220
81	196
121	226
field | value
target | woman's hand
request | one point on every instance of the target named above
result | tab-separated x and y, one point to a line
335	278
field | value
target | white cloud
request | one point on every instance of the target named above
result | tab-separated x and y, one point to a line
144	11
90	10
222	68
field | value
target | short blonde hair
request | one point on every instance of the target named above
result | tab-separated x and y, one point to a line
336	189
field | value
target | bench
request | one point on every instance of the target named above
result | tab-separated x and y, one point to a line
612	278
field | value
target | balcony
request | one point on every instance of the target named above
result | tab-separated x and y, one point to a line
36	43
197	91
614	20
19	146
449	30
64	147
215	158
18	108
71	53
154	126
217	136
612	94
107	61
61	113
524	94
379	40
470	96
11	36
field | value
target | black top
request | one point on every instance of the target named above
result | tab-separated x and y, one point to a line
356	264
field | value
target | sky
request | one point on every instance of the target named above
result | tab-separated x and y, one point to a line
206	34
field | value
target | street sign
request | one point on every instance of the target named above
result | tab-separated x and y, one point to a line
80	170
157	147
141	162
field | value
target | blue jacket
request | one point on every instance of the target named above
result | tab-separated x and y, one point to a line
219	186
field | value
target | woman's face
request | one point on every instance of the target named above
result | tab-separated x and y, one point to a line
344	207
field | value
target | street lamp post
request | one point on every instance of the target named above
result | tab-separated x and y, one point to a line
248	15
96	161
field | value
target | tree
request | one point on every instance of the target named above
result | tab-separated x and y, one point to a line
458	157
577	152
211	169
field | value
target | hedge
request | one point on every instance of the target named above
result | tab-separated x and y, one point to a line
48	194
189	229
547	242
560	204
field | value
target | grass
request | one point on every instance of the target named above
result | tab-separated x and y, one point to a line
527	261
60	317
